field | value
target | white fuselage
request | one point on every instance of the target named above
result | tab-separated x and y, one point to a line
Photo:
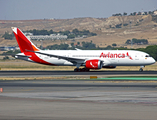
109	57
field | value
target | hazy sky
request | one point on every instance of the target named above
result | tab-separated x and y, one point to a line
63	9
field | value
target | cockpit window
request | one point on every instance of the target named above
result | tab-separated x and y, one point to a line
147	56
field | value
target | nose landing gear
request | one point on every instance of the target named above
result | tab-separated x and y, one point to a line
141	68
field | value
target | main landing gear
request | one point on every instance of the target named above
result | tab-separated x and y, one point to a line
81	70
141	68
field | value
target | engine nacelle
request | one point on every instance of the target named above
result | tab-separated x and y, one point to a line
109	67
93	64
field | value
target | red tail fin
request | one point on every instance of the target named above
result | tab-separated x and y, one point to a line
24	43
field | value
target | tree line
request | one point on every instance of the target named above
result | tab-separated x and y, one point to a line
134	13
85	46
137	41
8	36
75	33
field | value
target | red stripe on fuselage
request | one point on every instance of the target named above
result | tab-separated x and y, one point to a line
36	59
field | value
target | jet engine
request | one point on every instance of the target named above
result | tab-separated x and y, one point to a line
93	64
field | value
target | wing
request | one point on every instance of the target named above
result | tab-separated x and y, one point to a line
71	59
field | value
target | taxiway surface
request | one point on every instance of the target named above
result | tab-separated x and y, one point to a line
78	99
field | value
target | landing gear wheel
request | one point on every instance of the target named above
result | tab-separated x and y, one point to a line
76	69
87	70
81	70
140	69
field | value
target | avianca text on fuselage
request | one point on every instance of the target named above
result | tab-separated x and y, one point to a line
115	55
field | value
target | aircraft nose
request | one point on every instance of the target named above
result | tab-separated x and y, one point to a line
152	60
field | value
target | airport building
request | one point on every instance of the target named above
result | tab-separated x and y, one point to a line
7	48
46	37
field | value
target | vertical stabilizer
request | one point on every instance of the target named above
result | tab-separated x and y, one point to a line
27	47
24	43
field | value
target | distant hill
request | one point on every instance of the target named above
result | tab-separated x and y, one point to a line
115	29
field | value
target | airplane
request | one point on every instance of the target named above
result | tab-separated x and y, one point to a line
90	59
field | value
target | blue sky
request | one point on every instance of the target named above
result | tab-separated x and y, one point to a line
66	9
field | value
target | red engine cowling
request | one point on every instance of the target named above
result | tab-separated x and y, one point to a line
93	64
